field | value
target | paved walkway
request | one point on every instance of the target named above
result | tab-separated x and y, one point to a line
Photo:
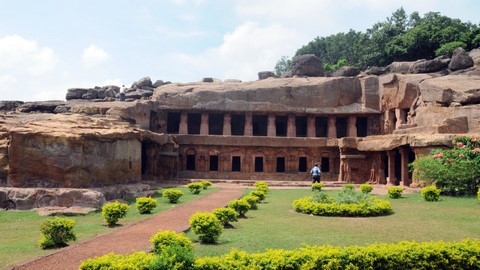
134	237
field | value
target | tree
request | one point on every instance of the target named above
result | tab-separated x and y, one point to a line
283	65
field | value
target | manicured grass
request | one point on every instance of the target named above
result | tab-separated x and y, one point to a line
276	225
20	230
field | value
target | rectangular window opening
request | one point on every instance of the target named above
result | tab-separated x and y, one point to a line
258	164
301	126
190	166
302	164
173	122
215	124
236	164
214	163
194	120
325	166
238	124
280	164
281	126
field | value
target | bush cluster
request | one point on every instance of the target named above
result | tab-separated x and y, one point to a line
403	255
317	186
240	205
261	195
431	193
225	215
206	184
57	232
206	226
173	195
366	188
164	239
252	201
395	192
145	205
262	186
195	187
114	211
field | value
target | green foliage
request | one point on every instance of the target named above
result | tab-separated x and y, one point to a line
366	188
349	203
401	37
395	192
173	258
164	239
241	206
283	65
57	232
478	194
252	201
260	194
262	186
340	63
225	215
173	195
114	211
403	255
206	184
137	260
206	226
195	187
348	187
448	48
317	186
454	171
145	205
431	193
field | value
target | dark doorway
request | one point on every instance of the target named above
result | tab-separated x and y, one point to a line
362	126
302	164
194	120
321	126
173	122
214	163
301	126
325	166
215	124
259	125
411	158
190	166
280	164
236	164
398	167
341	125
281	125
258	164
238	124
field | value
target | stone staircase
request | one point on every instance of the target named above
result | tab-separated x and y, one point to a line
245	183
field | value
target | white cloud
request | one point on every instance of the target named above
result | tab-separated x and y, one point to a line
25	56
94	56
171	33
250	48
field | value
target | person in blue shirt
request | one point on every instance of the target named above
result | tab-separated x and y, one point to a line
315	173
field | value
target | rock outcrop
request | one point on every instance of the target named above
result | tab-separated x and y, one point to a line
460	60
307	65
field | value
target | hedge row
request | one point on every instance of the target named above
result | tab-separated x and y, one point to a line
372	207
403	255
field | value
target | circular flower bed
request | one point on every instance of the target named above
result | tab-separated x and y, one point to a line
350	204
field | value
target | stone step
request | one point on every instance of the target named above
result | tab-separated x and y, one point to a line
247	183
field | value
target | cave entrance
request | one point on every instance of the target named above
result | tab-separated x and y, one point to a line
194	120
301	126
238	124
281	125
259	125
173	122
321	126
215	124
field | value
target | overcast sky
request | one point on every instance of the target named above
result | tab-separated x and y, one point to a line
49	46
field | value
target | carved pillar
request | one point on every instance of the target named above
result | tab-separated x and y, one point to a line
291	132
352	126
404	181
388	126
332	127
271	130
227	124
204	124
183	129
391	179
311	126
248	125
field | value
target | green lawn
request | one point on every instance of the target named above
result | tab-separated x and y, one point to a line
277	225
20	230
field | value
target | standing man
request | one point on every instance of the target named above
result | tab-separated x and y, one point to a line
122	93
315	173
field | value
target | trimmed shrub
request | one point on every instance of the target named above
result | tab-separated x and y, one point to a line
263	186
145	205
173	195
252	200
206	184
349	186
114	211
164	239
395	192
259	194
57	232
195	187
431	193
225	215
348	195
206	226
137	260
366	188
317	186
372	207
241	206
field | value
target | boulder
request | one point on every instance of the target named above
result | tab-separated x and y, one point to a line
65	211
400	67
377	71
138	94
9	105
346	71
429	66
454	125
475	55
460	60
158	83
262	75
40	106
207	79
307	65
125	192
145	81
76	93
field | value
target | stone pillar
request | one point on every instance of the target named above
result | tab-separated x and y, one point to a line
271	129
183	129
204	124
352	126
404	181
291	132
391	179
389	117
248	125
332	127
311	132
227	124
